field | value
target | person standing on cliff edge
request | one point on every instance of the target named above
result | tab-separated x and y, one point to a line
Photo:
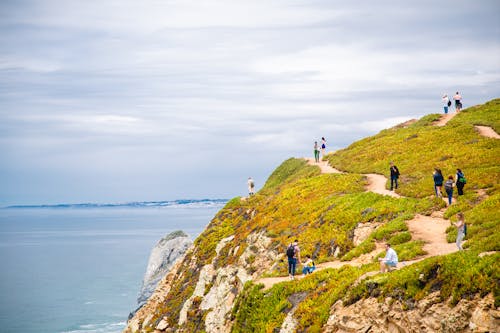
251	186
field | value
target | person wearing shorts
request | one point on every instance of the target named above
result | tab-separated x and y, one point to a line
458	102
390	259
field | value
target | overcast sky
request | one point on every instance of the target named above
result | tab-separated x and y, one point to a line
115	101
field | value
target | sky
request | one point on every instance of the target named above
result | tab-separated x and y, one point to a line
120	100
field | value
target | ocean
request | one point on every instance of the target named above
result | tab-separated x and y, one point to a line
79	268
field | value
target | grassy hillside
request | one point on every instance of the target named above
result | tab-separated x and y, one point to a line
416	150
322	211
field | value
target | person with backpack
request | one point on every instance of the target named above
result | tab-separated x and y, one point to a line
394	175
309	266
438	182
448	187
251	186
461	230
460	182
293	255
446	103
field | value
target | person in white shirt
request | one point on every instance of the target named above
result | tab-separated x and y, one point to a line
446	103
251	186
390	259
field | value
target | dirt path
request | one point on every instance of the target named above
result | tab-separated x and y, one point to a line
445	118
487	132
430	229
376	182
323	165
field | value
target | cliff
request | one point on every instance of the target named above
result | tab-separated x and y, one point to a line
168	249
234	278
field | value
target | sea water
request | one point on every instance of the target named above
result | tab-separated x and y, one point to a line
79	268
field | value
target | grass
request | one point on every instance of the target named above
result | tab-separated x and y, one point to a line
322	211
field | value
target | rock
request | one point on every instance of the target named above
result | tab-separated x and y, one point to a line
429	315
161	259
363	231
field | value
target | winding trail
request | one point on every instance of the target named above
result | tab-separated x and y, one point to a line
376	182
487	132
445	118
430	229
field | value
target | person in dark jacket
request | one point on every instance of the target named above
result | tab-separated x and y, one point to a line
460	182
438	182
394	175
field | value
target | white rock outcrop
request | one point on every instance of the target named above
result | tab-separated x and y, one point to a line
170	248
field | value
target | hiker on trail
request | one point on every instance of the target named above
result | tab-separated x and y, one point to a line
438	182
251	186
293	254
458	102
323	147
460	182
316	152
394	175
446	103
448	187
309	266
390	259
461	230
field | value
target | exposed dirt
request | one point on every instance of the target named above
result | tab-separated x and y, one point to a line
445	118
430	229
487	132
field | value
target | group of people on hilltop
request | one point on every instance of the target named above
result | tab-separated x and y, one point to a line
459	182
317	149
447	102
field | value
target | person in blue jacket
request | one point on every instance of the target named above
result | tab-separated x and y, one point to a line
438	182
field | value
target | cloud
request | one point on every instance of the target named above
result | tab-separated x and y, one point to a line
158	92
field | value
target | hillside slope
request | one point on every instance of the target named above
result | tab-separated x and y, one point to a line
214	289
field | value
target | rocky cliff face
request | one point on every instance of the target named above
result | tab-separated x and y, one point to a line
215	291
430	314
162	257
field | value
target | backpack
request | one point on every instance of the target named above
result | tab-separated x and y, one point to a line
462	180
290	251
449	103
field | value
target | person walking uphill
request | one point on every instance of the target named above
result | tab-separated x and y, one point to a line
446	103
448	187
390	259
460	182
394	175
293	254
461	230
316	151
438	182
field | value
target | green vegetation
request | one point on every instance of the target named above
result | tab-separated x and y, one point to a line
458	275
323	210
257	310
420	148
